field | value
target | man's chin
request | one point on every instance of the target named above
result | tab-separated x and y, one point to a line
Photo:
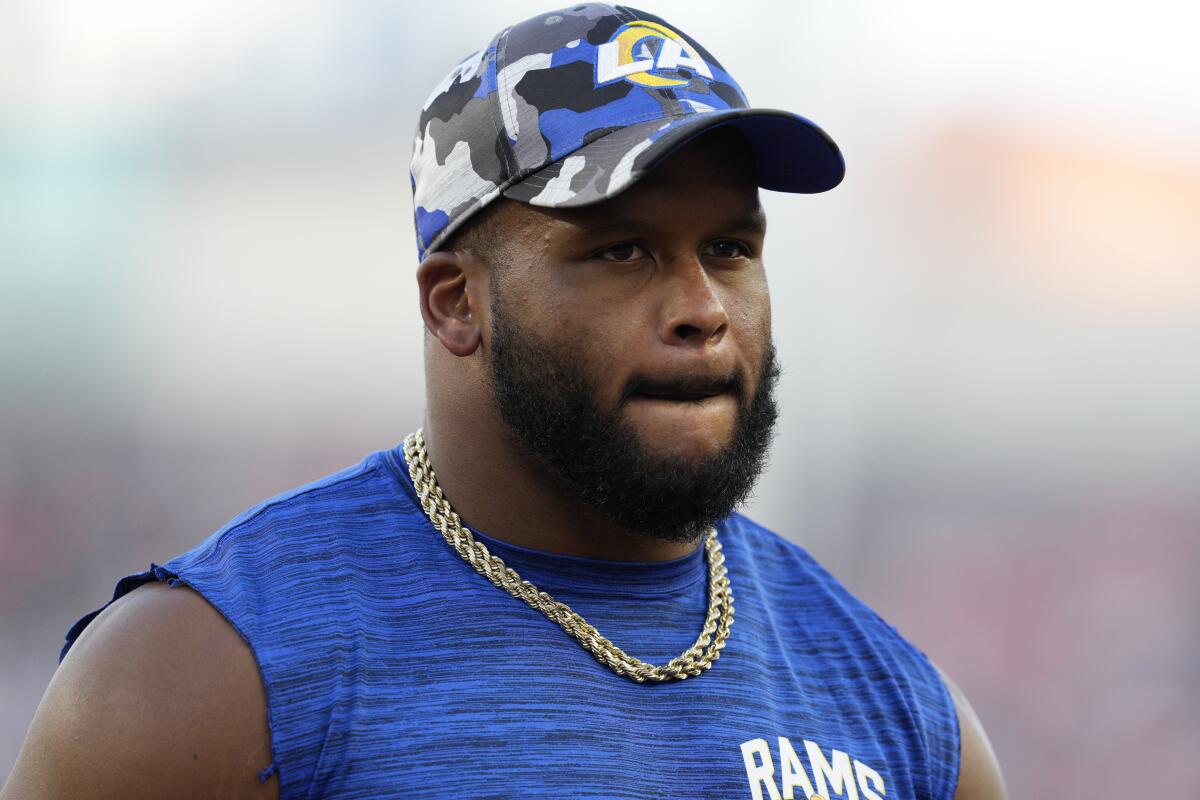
683	431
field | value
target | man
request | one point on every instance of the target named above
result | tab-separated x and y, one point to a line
508	604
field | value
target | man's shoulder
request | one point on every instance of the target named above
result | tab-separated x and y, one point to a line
769	550
365	484
253	568
351	506
786	567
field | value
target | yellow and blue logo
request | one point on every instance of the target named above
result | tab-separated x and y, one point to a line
650	55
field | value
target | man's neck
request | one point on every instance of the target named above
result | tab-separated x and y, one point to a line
498	492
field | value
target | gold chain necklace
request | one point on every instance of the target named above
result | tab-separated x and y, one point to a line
693	661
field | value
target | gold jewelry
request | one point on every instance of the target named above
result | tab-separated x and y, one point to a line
693	661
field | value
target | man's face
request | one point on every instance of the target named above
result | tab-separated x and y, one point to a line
630	346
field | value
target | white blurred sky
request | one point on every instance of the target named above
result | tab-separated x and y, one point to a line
1129	68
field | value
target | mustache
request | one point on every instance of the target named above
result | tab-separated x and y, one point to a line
684	386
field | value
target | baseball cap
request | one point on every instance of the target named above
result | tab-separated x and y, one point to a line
573	106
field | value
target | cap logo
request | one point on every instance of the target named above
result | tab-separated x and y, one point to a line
650	55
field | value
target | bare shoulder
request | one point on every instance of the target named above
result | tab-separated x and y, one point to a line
159	694
979	776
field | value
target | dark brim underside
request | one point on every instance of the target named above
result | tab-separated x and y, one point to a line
791	154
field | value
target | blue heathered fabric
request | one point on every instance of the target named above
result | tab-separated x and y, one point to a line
392	669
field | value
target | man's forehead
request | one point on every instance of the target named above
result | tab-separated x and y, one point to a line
625	212
717	167
711	177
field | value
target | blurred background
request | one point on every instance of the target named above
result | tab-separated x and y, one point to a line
990	331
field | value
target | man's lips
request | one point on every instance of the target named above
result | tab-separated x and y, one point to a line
680	397
686	390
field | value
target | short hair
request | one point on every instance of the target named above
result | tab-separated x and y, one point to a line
480	236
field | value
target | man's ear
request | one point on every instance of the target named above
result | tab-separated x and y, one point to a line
453	287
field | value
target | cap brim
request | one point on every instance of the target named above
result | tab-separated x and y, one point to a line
791	154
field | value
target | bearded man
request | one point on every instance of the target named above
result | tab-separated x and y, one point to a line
533	595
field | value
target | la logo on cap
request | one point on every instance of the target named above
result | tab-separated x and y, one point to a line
648	54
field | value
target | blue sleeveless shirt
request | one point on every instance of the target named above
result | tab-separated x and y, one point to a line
393	669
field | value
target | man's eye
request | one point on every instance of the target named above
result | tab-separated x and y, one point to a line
728	248
623	252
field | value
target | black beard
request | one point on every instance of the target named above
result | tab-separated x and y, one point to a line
548	402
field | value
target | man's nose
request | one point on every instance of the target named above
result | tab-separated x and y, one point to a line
693	312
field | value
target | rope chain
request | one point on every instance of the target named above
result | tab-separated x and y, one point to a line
691	662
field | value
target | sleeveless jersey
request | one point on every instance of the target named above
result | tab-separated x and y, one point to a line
393	670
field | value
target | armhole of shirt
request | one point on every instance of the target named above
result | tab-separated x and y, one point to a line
173	579
945	766
949	786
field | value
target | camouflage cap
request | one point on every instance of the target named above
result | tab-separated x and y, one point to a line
573	106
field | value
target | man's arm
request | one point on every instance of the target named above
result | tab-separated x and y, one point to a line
979	775
159	696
